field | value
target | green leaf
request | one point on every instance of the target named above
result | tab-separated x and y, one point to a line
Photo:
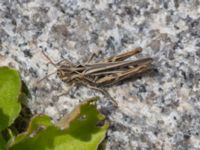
10	86
37	123
83	129
21	122
2	143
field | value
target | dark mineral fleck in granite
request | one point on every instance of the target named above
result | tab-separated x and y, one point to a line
160	110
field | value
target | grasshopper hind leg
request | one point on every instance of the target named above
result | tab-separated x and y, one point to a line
104	92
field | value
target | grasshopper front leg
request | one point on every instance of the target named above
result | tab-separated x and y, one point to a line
102	90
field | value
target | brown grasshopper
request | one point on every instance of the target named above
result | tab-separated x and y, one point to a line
105	72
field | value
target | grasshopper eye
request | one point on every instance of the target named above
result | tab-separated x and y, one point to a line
62	75
58	74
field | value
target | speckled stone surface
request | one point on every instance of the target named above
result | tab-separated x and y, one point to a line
160	110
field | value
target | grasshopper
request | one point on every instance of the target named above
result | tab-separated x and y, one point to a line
105	72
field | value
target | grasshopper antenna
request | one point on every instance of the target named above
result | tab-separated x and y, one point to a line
57	63
46	76
49	59
54	64
51	62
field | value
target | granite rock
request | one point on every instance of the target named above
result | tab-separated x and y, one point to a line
160	110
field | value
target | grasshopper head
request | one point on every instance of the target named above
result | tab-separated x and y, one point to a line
63	73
